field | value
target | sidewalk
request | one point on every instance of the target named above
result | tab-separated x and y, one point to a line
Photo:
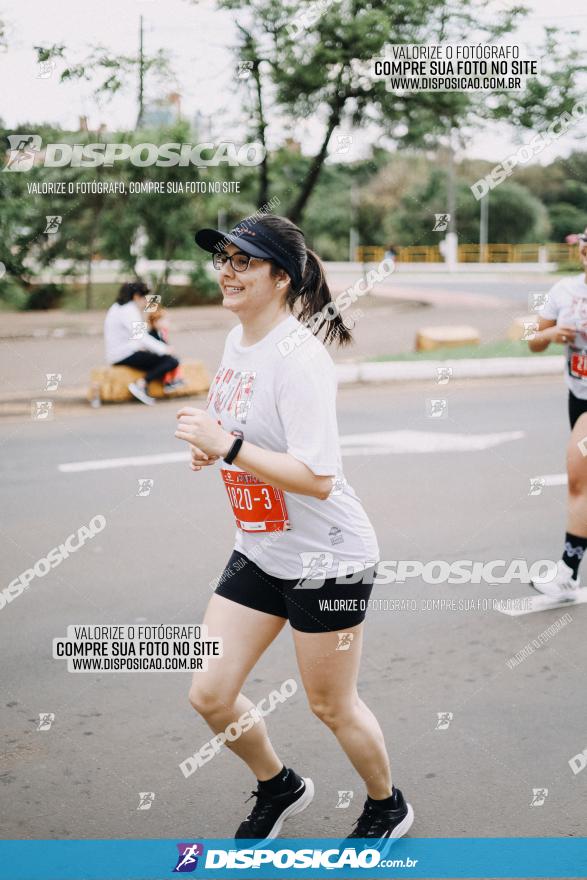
33	344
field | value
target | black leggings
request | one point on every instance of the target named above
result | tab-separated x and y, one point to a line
154	365
577	406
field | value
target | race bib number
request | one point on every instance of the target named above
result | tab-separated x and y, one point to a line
578	366
257	507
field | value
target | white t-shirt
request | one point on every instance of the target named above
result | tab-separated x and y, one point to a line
288	404
126	331
567	305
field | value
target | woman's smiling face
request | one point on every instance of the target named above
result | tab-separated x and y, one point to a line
249	291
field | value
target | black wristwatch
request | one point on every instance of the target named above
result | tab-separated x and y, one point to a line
234	450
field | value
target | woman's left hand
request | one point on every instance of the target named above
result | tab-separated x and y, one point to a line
198	428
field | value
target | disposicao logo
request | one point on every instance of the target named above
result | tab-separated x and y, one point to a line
187	860
26	150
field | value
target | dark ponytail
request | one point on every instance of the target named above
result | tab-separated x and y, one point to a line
314	295
310	298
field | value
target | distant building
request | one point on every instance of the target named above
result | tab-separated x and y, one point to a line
292	145
162	112
85	127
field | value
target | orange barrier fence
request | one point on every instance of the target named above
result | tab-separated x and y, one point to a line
474	253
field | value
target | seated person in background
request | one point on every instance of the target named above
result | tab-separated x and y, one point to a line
129	344
159	329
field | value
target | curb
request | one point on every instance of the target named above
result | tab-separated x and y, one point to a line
373	372
472	368
51	333
370	373
19	402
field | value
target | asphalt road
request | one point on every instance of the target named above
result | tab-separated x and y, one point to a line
115	735
505	285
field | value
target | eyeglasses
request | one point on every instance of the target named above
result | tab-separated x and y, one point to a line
238	261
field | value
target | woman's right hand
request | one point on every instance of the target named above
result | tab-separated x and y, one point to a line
558	333
200	459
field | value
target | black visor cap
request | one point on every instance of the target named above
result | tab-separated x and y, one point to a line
251	237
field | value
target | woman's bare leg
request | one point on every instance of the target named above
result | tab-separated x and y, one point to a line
215	693
330	680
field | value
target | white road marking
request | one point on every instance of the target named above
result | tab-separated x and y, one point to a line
410	442
104	464
382	443
545	603
553	479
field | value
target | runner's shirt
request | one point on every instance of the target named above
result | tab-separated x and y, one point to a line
288	404
567	305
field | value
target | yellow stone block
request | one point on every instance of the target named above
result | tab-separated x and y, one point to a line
429	338
113	382
519	328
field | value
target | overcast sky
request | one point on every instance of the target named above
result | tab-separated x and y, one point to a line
200	39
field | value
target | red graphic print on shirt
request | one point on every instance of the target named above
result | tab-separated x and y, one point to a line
232	392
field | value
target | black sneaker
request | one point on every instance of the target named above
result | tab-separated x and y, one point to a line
269	813
384	824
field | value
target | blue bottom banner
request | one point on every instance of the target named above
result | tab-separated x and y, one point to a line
526	857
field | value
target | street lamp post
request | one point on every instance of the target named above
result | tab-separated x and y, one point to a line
353	231
483	227
451	240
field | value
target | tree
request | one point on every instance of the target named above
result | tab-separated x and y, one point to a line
562	188
382	196
22	222
566	219
111	73
251	66
312	60
4	31
515	215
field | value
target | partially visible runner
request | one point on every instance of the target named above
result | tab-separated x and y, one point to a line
563	319
129	344
271	417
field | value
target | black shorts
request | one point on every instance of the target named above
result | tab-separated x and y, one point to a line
577	407
331	606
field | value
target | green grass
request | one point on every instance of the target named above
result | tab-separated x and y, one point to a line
103	295
74	299
567	269
500	348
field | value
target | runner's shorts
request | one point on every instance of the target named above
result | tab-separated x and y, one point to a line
577	406
331	606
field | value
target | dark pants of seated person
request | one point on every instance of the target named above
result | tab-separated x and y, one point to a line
154	365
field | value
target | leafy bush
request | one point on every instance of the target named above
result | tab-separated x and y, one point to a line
43	297
13	296
205	286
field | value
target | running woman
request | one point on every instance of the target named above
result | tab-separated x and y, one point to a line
563	319
271	418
